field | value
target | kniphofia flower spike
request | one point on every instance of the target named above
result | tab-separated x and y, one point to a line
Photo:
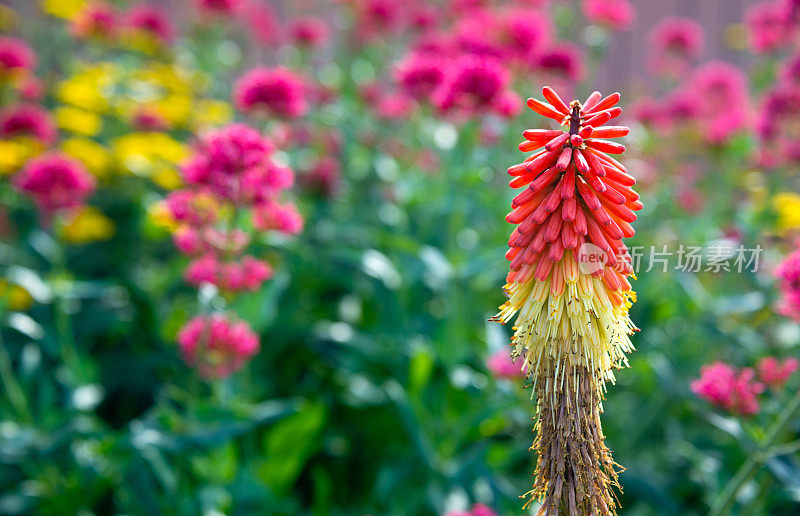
568	284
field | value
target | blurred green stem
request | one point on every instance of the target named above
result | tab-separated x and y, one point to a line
66	339
727	498
11	385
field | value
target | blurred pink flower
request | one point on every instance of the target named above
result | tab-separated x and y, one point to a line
235	164
271	91
394	106
188	241
723	386
248	273
309	32
282	217
562	62
218	7
723	111
377	18
28	120
769	26
324	177
790	69
54	182
151	18
473	84
15	56
97	19
216	345
524	32
31	88
788	274
193	207
674	42
614	14
500	365
420	74
478	509
777	125
260	16
774	373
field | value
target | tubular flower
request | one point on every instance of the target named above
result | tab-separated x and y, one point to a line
569	284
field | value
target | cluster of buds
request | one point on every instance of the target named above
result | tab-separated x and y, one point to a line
231	177
569	284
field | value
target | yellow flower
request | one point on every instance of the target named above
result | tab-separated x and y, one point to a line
158	216
91	88
211	113
94	156
787	206
153	155
14	297
78	121
8	18
176	109
63	8
86	225
15	152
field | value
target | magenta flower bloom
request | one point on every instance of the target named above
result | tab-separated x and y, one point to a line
309	32
525	32
15	56
247	274
235	164
218	7
421	74
721	385
152	19
216	345
723	89
54	182
474	84
790	70
97	19
27	120
769	27
196	208
562	62
376	18
477	510
500	365
775	373
271	91
681	37
788	274
274	216
614	14
262	21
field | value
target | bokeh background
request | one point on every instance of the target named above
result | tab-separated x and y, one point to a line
174	344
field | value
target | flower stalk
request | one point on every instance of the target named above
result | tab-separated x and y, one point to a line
569	291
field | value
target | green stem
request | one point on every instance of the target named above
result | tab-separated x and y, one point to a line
726	499
66	338
11	385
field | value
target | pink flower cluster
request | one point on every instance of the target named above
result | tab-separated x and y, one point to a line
218	7
778	120
771	25
465	68
151	19
54	182
15	56
723	386
477	509
216	345
28	120
97	19
674	44
500	365
723	113
614	14
275	92
232	169
775	373
788	274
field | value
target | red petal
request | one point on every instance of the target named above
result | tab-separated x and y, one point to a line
545	110
606	146
552	97
606	103
612	131
564	159
568	209
557	142
592	101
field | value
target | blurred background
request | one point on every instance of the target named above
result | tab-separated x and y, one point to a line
248	250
